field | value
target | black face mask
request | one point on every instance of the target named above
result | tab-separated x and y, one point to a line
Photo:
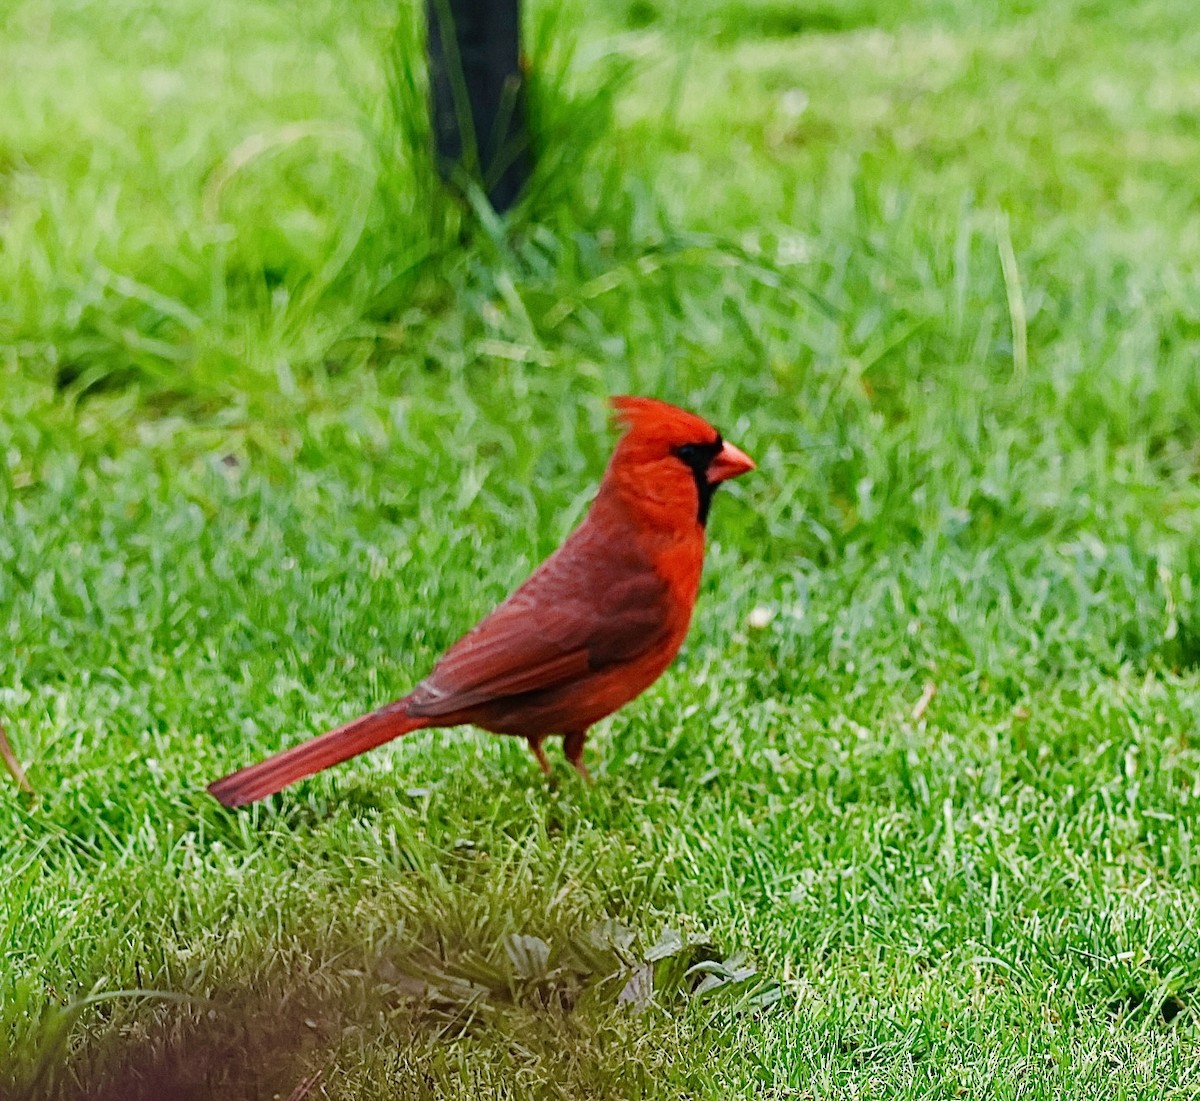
697	457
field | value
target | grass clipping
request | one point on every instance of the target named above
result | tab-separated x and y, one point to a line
12	764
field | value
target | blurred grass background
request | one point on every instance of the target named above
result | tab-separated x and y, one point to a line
278	422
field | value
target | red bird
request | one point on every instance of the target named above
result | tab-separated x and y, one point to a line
597	623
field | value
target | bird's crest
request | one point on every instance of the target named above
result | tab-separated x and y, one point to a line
649	418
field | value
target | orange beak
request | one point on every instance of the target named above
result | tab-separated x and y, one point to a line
731	462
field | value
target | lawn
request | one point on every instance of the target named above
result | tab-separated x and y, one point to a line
278	422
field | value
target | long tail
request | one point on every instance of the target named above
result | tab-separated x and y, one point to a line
255	782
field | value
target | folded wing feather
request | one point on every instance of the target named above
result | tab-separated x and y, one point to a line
588	606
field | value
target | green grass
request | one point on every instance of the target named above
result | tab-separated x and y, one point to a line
277	423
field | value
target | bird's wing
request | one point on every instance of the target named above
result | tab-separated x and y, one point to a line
595	602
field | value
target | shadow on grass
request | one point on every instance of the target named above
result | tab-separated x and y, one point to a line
1140	1004
413	1018
240	1045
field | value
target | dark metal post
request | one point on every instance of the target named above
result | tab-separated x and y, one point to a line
478	89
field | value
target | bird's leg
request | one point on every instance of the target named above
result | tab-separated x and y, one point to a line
573	748
535	744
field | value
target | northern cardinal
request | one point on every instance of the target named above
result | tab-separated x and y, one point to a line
595	626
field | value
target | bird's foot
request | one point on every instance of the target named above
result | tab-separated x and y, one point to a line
573	749
535	745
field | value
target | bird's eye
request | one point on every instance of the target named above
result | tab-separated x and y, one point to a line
698	455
